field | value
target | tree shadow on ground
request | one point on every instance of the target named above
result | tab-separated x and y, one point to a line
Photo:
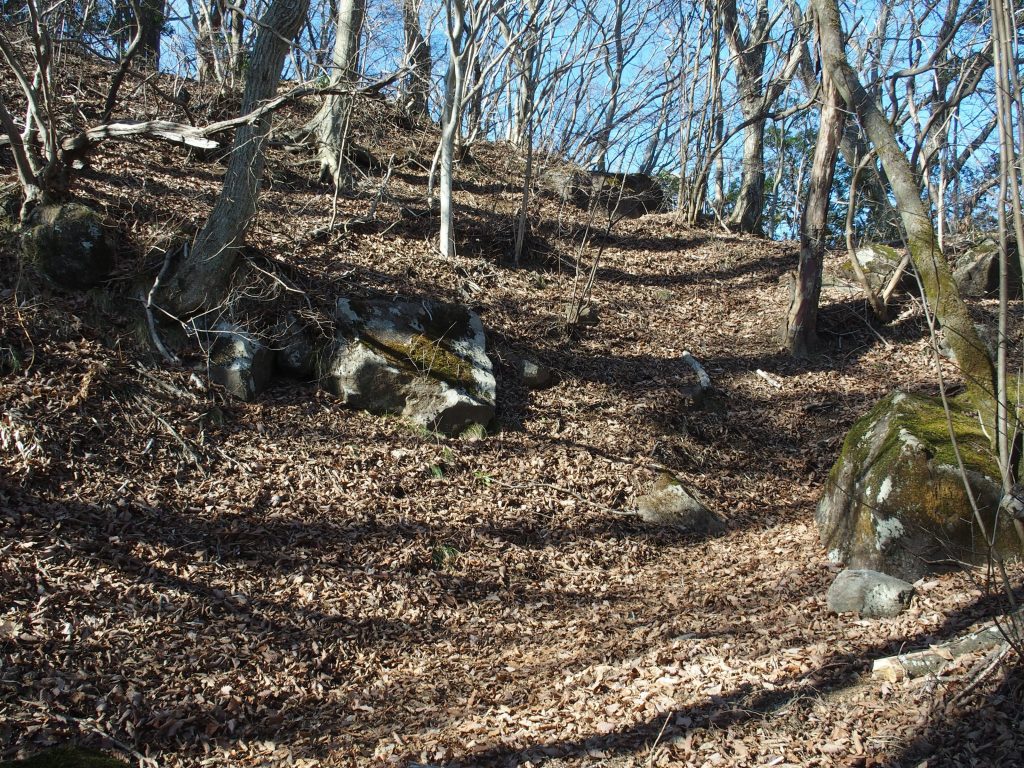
183	585
836	673
771	265
986	729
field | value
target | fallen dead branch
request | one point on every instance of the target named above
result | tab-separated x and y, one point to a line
199	137
932	660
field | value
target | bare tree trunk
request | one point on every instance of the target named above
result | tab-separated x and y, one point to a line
747	213
329	127
941	292
151	21
42	171
614	62
800	332
235	14
1008	90
202	278
455	83
208	23
417	55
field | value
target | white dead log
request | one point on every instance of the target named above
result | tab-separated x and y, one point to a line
932	660
176	133
199	136
702	375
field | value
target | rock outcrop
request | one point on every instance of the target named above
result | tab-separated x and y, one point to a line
895	500
618	195
976	269
69	244
423	360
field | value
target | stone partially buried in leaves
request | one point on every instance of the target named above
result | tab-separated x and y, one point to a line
670	504
895	500
535	375
869	593
240	363
69	244
423	360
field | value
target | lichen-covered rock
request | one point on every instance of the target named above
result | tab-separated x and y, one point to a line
976	270
69	244
895	501
424	360
869	593
240	363
669	503
66	757
879	263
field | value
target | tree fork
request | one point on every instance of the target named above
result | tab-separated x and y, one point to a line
202	277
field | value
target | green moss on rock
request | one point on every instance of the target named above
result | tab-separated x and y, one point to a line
895	500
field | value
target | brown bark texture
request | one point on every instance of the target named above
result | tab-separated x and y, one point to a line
802	318
201	279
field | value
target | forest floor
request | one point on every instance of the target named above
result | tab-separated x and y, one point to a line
188	580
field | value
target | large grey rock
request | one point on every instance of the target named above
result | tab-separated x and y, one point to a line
239	362
879	263
626	195
869	593
423	360
70	245
620	195
895	501
976	269
669	503
568	184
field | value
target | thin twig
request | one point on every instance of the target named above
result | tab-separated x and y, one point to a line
148	304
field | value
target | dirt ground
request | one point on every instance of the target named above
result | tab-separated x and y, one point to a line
187	580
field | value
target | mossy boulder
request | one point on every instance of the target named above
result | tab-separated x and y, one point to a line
895	500
69	244
879	263
66	757
423	360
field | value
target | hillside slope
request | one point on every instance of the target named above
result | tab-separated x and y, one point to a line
201	581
